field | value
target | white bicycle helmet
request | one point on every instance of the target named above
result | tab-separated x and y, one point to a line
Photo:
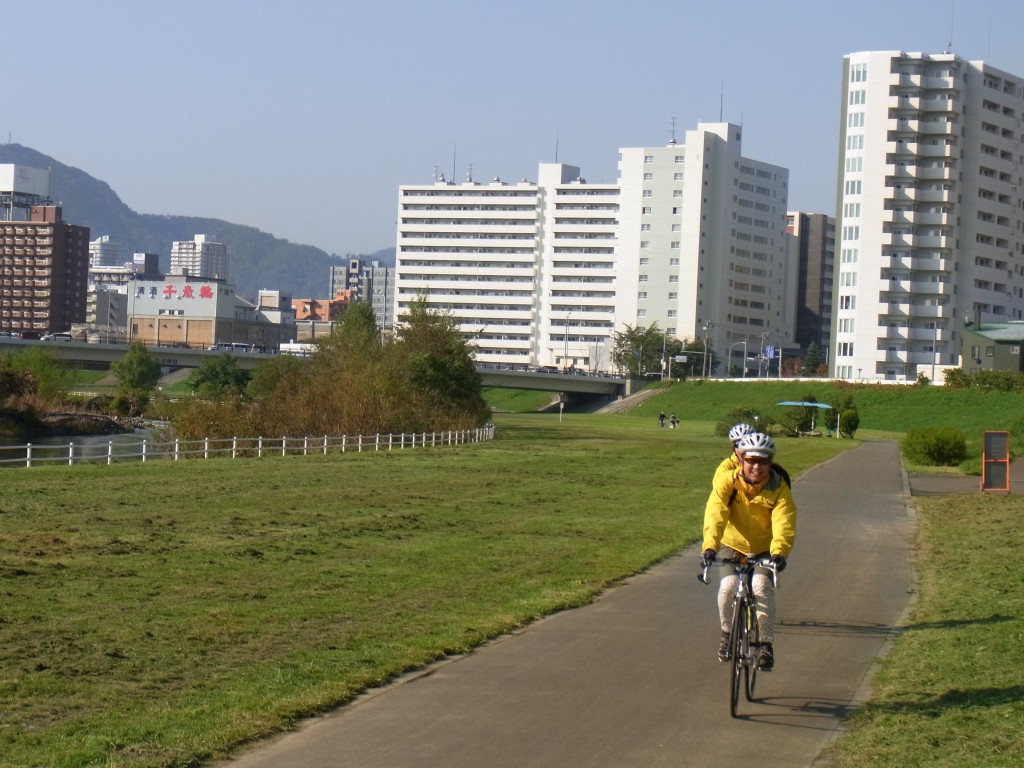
739	431
756	444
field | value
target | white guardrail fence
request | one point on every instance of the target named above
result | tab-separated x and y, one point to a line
111	451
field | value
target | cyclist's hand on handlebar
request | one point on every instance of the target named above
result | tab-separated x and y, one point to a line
707	557
779	562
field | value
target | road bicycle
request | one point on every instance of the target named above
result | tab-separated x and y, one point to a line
744	632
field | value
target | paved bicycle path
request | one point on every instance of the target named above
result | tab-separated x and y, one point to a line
633	679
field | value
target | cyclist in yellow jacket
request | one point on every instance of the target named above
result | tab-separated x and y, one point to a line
750	511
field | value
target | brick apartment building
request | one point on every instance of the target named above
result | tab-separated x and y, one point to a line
44	268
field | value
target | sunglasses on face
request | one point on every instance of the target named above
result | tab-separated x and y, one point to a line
759	460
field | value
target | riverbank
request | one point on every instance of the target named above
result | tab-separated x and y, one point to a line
18	425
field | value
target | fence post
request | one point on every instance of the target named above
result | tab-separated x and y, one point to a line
391	441
325	445
402	444
305	445
110	452
376	442
284	445
344	441
206	447
176	447
28	455
71	453
143	450
234	447
259	447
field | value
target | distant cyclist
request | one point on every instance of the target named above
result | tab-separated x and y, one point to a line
750	512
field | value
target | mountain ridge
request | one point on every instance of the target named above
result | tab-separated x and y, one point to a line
259	260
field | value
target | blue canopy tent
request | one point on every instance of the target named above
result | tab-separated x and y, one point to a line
808	404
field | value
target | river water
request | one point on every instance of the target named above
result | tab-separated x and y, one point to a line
63	450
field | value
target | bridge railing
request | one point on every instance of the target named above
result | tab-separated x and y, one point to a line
29	455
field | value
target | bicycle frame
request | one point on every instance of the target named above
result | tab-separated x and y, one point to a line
744	632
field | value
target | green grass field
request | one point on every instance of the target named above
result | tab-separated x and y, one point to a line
161	614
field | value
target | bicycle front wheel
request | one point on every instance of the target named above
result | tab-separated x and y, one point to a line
753	644
737	643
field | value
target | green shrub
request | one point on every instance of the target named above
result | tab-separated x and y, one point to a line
750	416
935	446
849	421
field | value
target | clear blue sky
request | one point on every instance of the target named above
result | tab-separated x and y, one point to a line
302	118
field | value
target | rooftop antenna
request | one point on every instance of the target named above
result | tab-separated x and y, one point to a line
469	173
952	21
672	131
988	44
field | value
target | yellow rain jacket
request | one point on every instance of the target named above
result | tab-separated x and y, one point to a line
729	465
758	519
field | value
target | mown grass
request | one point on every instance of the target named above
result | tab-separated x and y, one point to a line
951	692
159	614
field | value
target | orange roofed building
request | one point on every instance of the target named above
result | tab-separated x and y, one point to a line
323	310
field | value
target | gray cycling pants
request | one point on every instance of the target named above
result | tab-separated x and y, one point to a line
764	594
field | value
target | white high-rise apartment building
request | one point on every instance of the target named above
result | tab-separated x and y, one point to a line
103	252
202	256
703	235
692	237
929	210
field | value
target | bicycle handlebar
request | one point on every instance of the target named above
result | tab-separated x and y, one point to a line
741	564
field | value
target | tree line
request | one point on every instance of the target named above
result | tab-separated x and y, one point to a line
356	381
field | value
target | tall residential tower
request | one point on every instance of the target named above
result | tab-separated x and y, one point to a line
929	210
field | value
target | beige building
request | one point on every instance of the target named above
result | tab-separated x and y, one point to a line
199	312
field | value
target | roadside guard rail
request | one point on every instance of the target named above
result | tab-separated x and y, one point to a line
112	451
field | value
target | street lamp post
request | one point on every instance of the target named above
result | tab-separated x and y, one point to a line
744	366
565	357
707	358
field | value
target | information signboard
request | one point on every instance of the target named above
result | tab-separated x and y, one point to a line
995	461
